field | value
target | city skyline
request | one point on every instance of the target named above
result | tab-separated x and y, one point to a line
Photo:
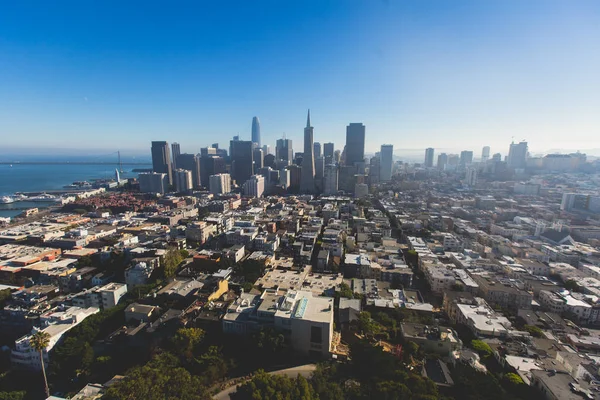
466	75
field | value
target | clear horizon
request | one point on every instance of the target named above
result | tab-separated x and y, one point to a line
418	74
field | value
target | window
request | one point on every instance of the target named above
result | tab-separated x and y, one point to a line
316	334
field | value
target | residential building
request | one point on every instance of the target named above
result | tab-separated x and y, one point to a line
255	186
153	182
220	184
429	153
183	180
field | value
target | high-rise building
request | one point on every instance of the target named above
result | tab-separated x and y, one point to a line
328	152
161	159
442	161
242	160
319	172
220	183
284	150
347	178
485	153
284	178
191	162
256	132
307	179
269	161
258	159
255	186
497	157
387	162
266	150
153	182
517	155
211	165
337	156
466	158
429	152
176	151
361	190
355	143
183	180
330	179
471	176
295	174
317	150
374	170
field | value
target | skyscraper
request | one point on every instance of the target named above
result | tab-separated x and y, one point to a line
307	179
471	176
317	150
442	161
176	151
517	155
258	159
330	179
161	160
191	162
374	170
153	182
429	157
242	160
319	171
355	143
328	153
387	162
284	150
256	131
466	158
485	153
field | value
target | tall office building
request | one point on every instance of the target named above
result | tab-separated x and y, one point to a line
442	161
176	151
317	150
258	159
191	162
330	179
328	152
319	171
497	157
466	158
517	155
183	180
153	182
387	162
256	132
355	144
161	159
220	183
255	186
211	165
242	160
337	156
295	174
485	153
307	179
284	150
429	157
266	150
374	170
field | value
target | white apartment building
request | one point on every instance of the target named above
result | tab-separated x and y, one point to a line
219	183
55	323
255	186
439	277
565	302
200	231
138	274
183	180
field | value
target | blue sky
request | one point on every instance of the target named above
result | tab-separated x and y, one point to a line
445	74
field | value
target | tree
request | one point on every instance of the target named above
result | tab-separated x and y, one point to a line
345	291
171	261
514	378
275	387
534	331
185	340
16	395
368	325
572	285
39	341
161	378
4	296
482	348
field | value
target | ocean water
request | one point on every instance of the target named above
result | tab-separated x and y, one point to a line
41	177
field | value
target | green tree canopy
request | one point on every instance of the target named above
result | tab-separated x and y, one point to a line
275	387
482	348
186	340
162	378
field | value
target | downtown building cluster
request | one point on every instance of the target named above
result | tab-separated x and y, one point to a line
500	250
